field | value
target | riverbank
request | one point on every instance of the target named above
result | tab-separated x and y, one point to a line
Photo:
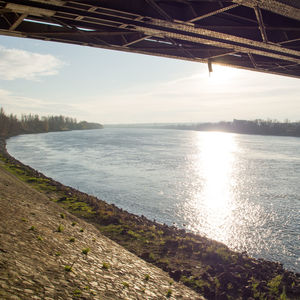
48	253
207	266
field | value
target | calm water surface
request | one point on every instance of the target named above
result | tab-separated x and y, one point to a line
242	190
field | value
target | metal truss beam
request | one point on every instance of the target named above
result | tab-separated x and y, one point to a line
272	6
260	35
218	11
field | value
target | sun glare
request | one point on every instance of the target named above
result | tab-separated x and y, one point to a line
221	74
215	165
216	160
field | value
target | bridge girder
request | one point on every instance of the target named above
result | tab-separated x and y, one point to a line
259	35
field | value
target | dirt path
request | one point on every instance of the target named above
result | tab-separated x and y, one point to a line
39	242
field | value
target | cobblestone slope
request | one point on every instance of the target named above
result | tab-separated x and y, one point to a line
46	253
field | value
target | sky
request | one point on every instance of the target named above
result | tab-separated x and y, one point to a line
112	87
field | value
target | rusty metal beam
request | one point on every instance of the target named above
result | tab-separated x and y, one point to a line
221	55
252	60
181	48
192	34
154	5
261	24
18	22
273	6
284	67
187	28
155	31
289	41
136	41
219	39
218	11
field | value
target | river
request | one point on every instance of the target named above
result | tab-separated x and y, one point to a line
242	190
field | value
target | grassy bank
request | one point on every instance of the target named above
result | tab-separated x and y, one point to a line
206	266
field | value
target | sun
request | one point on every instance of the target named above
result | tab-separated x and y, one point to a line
222	75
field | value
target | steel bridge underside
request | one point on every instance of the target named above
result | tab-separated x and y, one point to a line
259	35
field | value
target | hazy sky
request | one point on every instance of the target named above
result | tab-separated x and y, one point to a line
107	86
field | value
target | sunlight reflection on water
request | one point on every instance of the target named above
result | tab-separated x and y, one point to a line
216	162
214	209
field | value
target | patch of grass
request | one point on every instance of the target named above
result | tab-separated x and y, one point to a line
77	293
60	228
283	295
133	234
62	216
85	251
217	283
160	232
40	238
169	293
125	284
24	220
196	283
76	206
151	257
57	254
274	285
73	223
229	286
39	183
72	240
105	266
81	230
255	284
147	277
68	268
112	230
223	253
32	228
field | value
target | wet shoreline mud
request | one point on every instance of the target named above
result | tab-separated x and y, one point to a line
208	267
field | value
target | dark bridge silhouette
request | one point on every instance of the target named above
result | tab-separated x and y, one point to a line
260	35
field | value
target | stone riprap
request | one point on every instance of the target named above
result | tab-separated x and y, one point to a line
47	253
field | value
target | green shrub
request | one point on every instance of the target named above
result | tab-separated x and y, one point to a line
60	228
77	293
68	268
151	257
133	234
85	251
105	266
169	293
274	285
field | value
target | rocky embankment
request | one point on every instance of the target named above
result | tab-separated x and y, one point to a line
206	266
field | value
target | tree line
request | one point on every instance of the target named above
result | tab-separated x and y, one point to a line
10	125
259	126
